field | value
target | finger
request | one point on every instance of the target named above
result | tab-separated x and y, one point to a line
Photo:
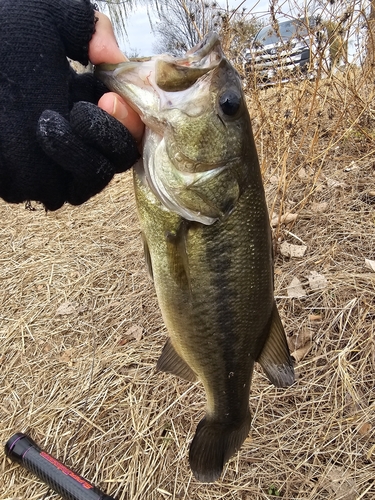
106	134
118	108
103	47
90	171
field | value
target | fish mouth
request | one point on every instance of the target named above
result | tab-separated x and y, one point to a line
173	74
156	88
181	73
199	53
206	44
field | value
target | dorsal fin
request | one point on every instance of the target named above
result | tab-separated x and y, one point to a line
275	357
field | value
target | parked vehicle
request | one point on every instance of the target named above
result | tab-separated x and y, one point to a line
287	50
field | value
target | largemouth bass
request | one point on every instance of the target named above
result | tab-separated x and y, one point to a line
207	237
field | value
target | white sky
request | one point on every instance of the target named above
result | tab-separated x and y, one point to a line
141	38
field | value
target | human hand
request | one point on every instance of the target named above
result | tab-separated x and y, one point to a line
103	48
56	145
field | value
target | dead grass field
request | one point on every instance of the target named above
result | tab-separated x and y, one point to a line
81	331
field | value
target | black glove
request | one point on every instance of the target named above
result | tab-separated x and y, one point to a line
56	145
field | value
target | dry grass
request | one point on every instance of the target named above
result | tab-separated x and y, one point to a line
83	384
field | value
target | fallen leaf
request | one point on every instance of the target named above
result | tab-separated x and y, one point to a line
315	317
332	183
299	354
317	281
319	208
370	264
135	332
341	485
365	428
320	187
65	309
289	250
300	339
286	218
66	356
302	174
295	289
70	308
274	179
47	347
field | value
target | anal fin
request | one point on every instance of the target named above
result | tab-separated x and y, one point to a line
171	362
275	358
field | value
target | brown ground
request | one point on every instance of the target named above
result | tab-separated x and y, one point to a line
81	331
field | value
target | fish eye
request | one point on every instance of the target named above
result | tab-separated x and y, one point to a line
230	102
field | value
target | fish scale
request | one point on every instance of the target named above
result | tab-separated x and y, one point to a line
207	239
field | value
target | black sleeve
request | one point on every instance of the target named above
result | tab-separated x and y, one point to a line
75	22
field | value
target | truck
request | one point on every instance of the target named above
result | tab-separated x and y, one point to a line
285	50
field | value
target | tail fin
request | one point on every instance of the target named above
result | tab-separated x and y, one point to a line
213	445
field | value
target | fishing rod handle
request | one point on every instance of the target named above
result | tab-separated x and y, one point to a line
21	449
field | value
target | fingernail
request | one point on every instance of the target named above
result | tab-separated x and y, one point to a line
119	110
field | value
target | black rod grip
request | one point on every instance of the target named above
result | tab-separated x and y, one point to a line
22	449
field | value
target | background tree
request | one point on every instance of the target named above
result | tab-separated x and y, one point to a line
182	23
370	42
238	29
119	10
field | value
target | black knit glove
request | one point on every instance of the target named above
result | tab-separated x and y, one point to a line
56	145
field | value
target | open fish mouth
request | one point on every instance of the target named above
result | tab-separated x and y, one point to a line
182	73
154	84
176	99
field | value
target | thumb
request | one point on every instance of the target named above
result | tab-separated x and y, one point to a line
117	107
103	47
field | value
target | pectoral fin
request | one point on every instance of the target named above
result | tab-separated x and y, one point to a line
177	255
275	357
147	257
171	362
